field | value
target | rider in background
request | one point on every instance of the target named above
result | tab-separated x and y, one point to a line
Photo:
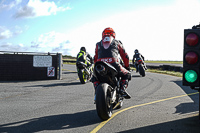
137	56
108	50
85	57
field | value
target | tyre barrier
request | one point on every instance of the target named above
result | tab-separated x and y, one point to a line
172	68
164	67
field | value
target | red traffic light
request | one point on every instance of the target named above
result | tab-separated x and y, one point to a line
191	58
192	39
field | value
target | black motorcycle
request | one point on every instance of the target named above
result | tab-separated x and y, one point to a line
140	67
84	73
108	96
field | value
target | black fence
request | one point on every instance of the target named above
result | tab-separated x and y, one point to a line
28	66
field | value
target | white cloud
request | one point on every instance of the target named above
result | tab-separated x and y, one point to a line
21	45
4	6
36	8
156	31
17	30
5	33
51	42
4	46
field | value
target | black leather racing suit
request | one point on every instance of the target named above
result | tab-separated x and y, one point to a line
84	57
111	55
136	57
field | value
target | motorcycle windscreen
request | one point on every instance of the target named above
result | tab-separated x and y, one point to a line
106	40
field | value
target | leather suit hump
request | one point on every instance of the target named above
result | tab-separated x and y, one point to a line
111	53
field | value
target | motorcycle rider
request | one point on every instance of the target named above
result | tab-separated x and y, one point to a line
108	50
83	56
137	56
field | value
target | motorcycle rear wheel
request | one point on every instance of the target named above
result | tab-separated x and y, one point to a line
104	104
141	70
82	76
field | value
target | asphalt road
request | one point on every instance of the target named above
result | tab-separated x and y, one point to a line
159	104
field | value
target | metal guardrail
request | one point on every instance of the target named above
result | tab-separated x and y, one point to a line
27	53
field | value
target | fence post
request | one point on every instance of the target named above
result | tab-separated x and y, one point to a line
60	66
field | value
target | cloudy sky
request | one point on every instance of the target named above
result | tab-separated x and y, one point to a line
154	27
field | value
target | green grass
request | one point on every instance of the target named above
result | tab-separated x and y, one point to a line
172	73
168	62
69	59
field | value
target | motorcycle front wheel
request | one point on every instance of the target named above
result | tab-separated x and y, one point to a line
82	76
104	104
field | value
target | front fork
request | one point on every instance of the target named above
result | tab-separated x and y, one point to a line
117	97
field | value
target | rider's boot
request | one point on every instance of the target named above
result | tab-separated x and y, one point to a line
124	85
136	69
145	67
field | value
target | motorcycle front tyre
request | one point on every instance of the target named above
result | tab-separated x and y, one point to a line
104	106
82	76
141	70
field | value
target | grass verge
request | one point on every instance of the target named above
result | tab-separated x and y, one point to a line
165	62
172	73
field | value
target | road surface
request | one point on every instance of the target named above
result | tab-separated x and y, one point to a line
159	104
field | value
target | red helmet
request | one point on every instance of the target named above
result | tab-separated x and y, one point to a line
108	31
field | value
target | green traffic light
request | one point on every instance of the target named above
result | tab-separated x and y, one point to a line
191	76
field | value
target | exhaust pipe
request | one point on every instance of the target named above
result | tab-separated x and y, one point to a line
101	69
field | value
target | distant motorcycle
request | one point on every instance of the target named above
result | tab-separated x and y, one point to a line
108	96
84	73
140	67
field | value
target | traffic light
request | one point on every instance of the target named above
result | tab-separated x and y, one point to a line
191	57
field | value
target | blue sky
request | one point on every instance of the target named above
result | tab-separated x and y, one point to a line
154	27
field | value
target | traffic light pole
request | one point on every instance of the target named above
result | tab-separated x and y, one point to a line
197	88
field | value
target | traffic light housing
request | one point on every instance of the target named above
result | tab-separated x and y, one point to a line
191	57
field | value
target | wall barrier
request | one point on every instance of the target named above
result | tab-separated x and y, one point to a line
29	66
